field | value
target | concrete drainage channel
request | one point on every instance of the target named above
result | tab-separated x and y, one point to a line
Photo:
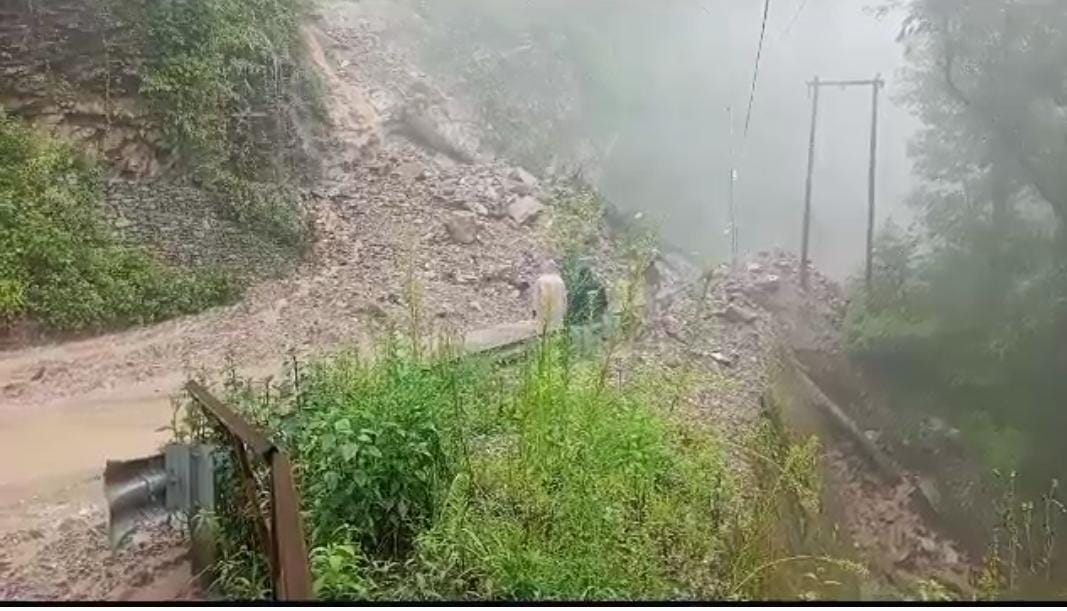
887	517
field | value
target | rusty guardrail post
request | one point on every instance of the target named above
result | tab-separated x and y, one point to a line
283	538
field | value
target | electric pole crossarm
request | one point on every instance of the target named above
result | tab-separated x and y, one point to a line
867	83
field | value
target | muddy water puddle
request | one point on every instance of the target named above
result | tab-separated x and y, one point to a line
48	448
53	517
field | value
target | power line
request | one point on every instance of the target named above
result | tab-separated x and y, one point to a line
796	17
755	71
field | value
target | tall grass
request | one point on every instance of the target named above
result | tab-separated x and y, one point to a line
454	478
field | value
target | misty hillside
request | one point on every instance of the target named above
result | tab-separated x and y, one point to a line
495	300
653	85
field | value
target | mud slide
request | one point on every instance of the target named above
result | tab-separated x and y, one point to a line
53	529
379	219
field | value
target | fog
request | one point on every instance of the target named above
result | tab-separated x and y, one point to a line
652	83
673	161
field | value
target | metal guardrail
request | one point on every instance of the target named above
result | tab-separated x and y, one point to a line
282	534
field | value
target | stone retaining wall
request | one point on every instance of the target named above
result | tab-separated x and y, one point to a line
180	223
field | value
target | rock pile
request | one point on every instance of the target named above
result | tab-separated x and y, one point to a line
882	521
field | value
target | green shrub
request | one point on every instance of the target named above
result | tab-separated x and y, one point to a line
226	80
372	442
587	298
60	265
459	479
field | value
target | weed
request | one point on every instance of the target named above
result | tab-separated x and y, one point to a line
929	590
1015	564
577	215
453	478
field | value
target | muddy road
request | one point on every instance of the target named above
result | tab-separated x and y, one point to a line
53	521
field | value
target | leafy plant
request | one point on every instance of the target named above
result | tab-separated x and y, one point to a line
59	263
226	79
453	478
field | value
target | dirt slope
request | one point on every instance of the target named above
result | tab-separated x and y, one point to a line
738	338
380	217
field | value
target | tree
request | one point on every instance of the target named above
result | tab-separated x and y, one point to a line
970	321
989	80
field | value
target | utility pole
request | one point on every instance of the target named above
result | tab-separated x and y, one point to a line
807	185
875	84
730	192
875	87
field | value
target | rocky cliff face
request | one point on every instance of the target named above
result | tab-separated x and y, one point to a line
71	67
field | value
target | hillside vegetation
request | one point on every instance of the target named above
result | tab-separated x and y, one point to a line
60	266
460	479
224	82
227	81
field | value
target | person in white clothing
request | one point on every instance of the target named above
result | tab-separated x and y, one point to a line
549	296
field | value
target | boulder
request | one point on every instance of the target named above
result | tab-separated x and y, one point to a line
476	208
524	210
736	314
721	359
521	188
411	170
524	177
462	229
372	311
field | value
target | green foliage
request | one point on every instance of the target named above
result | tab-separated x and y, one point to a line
966	308
587	297
372	449
882	321
59	264
458	479
987	79
226	78
966	327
